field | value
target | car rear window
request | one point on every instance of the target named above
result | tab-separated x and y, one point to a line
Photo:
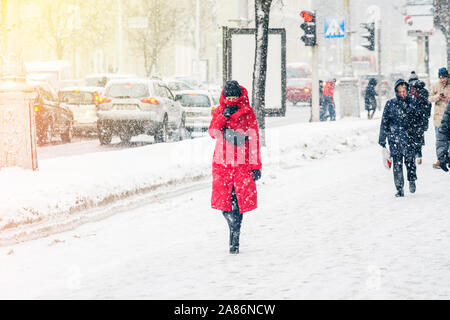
177	86
297	83
127	90
292	72
96	82
77	97
195	100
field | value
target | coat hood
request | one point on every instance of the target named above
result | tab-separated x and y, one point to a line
399	82
373	82
241	101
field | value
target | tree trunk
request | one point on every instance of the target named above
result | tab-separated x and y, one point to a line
448	50
262	11
447	41
59	49
446	31
442	21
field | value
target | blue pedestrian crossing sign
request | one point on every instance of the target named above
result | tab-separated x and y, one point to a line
334	27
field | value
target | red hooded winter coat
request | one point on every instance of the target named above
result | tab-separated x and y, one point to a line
328	92
233	165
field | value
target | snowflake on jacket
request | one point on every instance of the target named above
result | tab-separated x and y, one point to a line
369	97
443	137
419	118
399	124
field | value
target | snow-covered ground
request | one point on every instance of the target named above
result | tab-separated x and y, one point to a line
328	226
66	186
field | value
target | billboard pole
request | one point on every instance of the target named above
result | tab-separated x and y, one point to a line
348	85
427	56
3	26
315	113
378	26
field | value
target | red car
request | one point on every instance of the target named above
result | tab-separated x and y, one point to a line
298	90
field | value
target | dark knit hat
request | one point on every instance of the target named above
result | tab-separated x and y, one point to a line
232	89
373	82
413	76
443	72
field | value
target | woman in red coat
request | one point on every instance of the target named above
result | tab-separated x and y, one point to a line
237	161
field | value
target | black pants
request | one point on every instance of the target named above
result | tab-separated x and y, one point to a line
370	113
234	219
410	163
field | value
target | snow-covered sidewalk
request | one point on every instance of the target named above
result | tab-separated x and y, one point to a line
329	228
65	186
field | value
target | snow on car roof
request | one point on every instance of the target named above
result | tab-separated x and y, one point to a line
82	88
205	92
129	80
110	75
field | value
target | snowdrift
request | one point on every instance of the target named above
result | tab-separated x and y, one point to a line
67	186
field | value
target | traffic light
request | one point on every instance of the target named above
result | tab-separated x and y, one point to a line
309	26
369	34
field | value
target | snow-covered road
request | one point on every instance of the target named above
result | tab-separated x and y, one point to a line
90	144
327	228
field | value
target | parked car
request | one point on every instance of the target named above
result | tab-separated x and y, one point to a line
176	85
190	81
71	83
298	90
130	107
197	106
52	119
215	91
101	79
82	101
298	70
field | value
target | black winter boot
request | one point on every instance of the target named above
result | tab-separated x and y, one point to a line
412	186
234	219
400	193
234	242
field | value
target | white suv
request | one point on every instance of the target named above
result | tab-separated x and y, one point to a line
130	107
198	106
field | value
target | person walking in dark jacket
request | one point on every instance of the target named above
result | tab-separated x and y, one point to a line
420	118
369	98
443	140
395	127
440	95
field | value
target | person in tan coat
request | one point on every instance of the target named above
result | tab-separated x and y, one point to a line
440	95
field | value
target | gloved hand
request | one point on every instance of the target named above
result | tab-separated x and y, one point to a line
444	164
256	174
423	94
229	110
383	144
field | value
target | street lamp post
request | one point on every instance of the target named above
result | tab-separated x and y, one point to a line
348	85
120	37
3	25
197	40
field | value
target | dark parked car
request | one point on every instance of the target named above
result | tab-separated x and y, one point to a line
52	120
